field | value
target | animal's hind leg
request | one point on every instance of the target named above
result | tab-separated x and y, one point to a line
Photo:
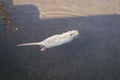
43	48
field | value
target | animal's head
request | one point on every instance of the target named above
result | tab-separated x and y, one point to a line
74	33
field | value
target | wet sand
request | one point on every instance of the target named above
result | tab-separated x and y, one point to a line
95	55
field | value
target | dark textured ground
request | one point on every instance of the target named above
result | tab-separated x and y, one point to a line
94	56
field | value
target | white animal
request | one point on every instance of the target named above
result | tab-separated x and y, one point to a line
55	40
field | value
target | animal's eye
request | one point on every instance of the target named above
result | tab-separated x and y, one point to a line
71	34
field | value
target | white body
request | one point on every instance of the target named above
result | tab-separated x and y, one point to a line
55	40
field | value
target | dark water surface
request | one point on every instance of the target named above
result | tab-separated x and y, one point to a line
94	55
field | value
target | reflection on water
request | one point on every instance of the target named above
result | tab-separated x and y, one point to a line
93	56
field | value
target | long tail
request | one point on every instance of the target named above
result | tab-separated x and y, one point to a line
30	44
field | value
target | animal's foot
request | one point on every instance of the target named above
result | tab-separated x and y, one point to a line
43	49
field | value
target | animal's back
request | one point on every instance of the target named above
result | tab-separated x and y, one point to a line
51	39
57	40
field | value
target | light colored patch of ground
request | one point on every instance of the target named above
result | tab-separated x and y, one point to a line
71	8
